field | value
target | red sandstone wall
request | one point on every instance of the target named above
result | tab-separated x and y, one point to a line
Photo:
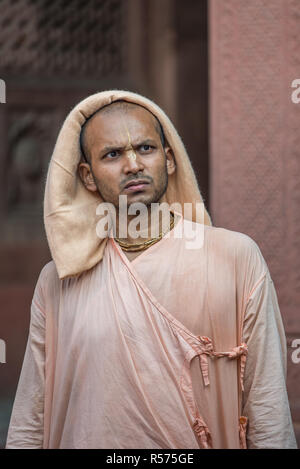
255	143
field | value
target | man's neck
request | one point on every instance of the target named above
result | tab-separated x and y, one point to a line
136	229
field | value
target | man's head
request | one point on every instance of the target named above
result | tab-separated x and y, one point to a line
124	142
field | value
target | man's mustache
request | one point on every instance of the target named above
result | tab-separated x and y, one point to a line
135	177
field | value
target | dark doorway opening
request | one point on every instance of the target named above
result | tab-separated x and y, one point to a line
192	91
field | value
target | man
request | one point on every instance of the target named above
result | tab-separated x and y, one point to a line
138	340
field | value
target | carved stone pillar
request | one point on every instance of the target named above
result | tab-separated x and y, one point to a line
255	143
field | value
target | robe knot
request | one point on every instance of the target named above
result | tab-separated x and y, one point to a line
203	433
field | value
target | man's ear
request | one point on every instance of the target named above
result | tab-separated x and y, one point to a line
86	175
171	165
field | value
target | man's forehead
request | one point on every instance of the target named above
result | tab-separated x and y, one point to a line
117	126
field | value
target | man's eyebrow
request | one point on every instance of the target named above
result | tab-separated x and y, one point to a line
109	148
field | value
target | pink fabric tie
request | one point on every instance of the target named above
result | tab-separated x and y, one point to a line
203	433
206	348
239	351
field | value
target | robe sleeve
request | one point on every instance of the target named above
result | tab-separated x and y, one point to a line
265	400
26	421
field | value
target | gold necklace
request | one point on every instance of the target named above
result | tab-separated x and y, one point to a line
145	244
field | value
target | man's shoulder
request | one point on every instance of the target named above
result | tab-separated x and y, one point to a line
215	236
239	247
47	286
231	238
48	274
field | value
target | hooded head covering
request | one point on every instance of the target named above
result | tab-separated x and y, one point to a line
70	209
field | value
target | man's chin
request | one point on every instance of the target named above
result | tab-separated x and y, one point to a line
140	197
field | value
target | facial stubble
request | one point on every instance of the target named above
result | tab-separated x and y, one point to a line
160	190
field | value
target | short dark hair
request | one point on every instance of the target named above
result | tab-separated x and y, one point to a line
121	104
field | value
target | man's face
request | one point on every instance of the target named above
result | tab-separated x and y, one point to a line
125	146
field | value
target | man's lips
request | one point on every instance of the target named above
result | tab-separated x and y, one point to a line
136	185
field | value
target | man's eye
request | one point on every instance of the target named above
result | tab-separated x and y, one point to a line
111	154
146	147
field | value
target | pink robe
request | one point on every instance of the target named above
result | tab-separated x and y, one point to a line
179	348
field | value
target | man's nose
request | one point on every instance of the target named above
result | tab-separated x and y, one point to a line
132	162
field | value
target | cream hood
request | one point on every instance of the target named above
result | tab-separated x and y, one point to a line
70	209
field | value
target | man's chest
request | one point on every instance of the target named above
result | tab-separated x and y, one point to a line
192	292
132	255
